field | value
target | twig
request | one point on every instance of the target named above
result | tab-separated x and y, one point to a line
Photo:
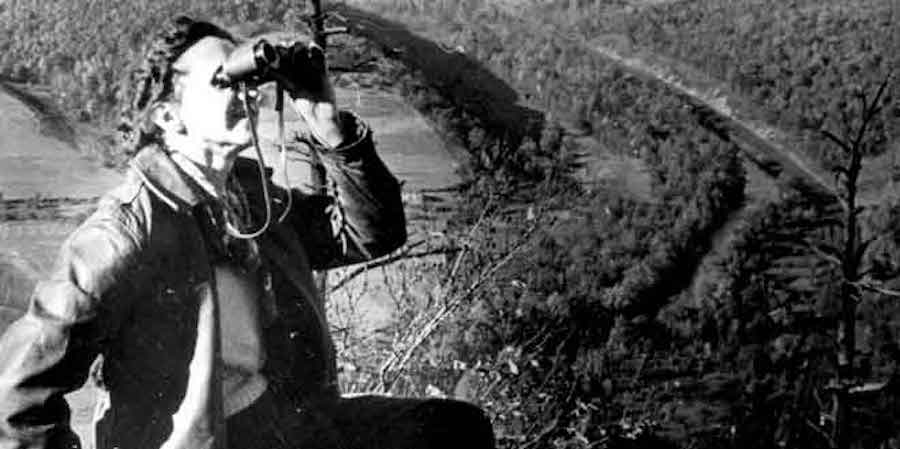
821	432
837	141
884	291
335	30
403	254
490	388
825	255
467	247
556	357
554	424
398	363
640	369
353	68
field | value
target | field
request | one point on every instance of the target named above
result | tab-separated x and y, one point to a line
692	296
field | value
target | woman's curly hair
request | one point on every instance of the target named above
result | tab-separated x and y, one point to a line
154	80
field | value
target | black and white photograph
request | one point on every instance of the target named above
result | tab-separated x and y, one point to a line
449	224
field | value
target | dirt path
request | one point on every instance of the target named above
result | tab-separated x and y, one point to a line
764	143
758	141
722	110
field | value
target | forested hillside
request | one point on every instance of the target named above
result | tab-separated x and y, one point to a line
573	313
799	61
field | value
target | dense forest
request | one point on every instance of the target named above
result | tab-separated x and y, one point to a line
586	316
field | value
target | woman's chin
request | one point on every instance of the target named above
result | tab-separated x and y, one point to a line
240	134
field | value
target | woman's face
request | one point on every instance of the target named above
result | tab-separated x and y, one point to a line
209	114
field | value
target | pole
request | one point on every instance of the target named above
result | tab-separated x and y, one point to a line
319	23
317	170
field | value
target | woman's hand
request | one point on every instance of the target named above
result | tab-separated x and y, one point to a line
304	75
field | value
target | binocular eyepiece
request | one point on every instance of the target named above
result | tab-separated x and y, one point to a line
251	64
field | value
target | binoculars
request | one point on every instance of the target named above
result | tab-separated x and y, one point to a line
263	62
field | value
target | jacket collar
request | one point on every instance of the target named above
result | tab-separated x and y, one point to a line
163	177
176	188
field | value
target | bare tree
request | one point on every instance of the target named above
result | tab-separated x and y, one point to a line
848	255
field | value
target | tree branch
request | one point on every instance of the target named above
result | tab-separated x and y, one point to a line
824	251
404	254
861	251
869	113
837	141
397	363
821	432
865	285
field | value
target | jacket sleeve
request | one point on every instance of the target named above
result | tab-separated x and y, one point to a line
360	214
48	352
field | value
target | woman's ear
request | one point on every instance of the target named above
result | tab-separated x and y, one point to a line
164	115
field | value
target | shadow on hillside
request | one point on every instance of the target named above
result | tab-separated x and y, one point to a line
460	78
17	280
88	139
53	122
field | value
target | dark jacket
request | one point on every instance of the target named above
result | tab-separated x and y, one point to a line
134	283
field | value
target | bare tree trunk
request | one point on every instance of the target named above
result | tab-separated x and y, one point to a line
854	145
319	23
846	332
